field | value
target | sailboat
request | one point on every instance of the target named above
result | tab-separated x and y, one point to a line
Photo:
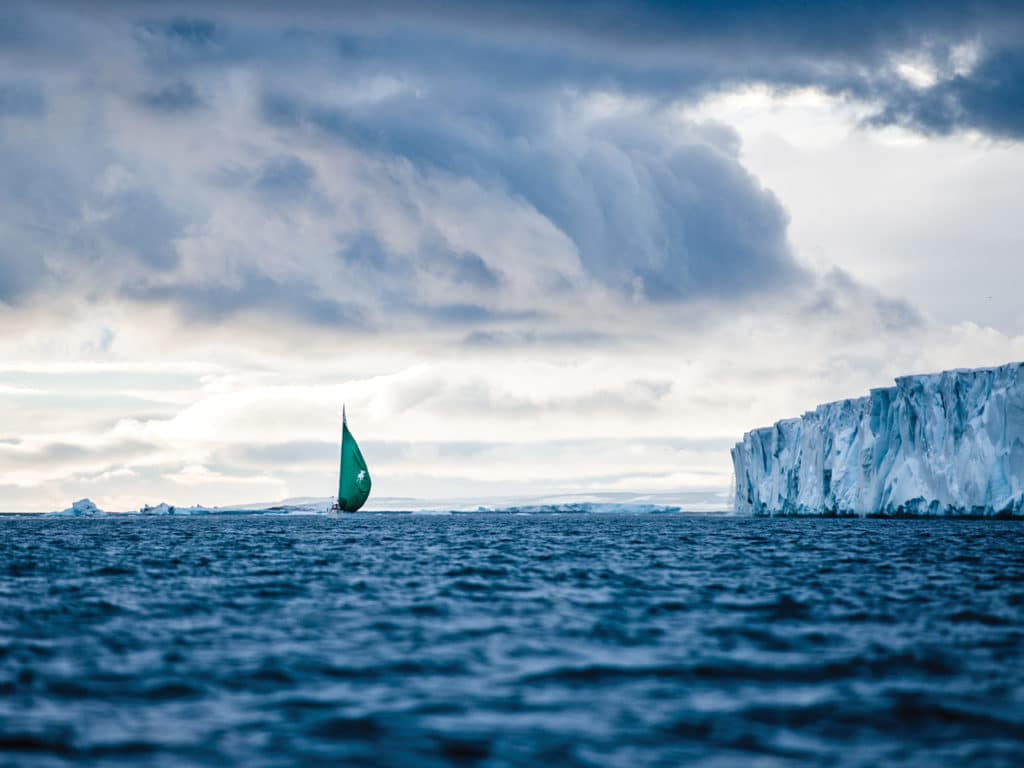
353	476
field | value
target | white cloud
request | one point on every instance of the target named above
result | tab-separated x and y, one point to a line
540	418
933	221
185	305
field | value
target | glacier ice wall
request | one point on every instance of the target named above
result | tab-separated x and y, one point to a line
945	443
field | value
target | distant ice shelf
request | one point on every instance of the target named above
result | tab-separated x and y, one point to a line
950	443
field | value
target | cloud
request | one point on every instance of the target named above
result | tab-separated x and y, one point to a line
466	221
655	209
249	290
179	39
285	177
654	215
634	396
264	425
31	463
677	51
18	275
464	268
180	96
511	339
21	99
988	98
840	295
275	456
138	221
341	181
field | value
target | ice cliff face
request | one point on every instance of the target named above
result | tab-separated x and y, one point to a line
946	443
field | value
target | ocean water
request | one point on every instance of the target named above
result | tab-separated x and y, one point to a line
490	640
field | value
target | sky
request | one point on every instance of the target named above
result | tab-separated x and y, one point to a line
537	248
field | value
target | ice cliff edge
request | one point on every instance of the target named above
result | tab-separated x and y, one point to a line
949	443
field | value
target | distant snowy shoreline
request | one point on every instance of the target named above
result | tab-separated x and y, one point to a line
84	508
610	502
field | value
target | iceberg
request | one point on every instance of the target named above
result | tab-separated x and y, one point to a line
949	443
80	508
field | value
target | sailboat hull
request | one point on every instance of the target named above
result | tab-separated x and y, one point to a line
337	509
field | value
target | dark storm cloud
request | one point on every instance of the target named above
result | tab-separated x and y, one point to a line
21	99
989	99
144	225
461	269
673	49
175	97
365	254
68	227
839	292
279	182
471	314
665	222
392	277
819	27
483	92
18	274
286	176
210	302
676	49
180	40
286	181
468	268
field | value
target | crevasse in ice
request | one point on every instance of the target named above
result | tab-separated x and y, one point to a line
945	443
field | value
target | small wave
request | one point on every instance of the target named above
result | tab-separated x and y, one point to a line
755	673
54	743
976	617
489	640
348	729
781	608
114	570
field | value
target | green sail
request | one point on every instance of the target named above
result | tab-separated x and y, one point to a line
353	477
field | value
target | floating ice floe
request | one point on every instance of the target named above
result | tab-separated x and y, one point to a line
950	443
583	508
169	509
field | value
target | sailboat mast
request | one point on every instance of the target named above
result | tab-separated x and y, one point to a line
341	460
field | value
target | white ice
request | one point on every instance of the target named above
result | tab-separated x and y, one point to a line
169	509
946	443
80	508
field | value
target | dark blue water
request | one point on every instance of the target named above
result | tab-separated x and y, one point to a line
505	640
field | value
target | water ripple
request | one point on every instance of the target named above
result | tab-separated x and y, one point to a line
499	640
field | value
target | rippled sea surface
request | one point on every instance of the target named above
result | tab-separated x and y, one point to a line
493	640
